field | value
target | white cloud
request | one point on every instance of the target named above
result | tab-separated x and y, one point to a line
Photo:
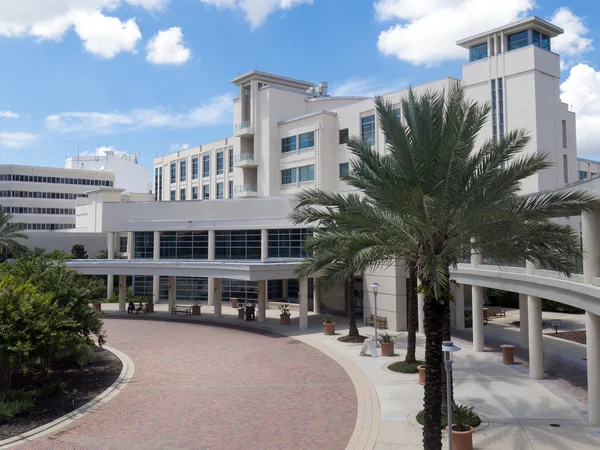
256	11
581	91
216	111
428	29
102	151
366	87
106	36
157	5
16	139
573	43
178	147
167	48
5	114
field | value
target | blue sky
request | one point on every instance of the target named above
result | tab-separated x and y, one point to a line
149	76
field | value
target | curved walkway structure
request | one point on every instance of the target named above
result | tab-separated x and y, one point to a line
207	386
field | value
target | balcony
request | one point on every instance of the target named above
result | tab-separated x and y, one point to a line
245	191
244	129
245	160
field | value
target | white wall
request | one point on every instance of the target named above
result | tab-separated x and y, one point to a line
65	240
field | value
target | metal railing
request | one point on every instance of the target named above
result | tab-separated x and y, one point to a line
244	157
245	188
243	125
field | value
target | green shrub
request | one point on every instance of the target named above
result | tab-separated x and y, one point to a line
6	411
79	353
13	403
404	367
465	413
51	389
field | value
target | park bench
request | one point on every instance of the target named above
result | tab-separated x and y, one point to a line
381	322
496	311
141	307
186	309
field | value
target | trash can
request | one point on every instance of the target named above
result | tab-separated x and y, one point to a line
508	354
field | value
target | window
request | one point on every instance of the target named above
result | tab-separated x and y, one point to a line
238	244
368	129
275	289
501	105
541	40
288	243
307	173
195	193
143	245
172	195
230	160
564	133
479	52
288	176
494	110
344	169
566	168
230	188
518	40
288	144
307	140
195	168
158	184
344	136
206	192
219	190
240	289
206	165
191	289
184	245
142	286
173	172
582	175
123	244
183	170
219	163
182	194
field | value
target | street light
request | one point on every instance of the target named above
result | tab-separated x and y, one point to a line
448	348
375	286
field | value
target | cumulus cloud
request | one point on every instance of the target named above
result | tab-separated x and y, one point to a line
427	30
581	91
366	87
216	111
103	150
17	139
106	36
5	114
167	48
573	43
256	11
178	147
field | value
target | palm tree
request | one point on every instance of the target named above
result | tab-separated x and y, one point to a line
9	233
431	195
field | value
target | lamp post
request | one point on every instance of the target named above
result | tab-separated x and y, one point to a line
375	286
448	348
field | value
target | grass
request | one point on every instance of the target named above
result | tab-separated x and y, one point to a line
474	423
404	367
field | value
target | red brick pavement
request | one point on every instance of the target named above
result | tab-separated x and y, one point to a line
200	386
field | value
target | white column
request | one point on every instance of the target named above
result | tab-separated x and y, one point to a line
264	245
172	292
110	244
536	343
156	253
317	297
211	291
262	300
589	233
156	278
592	333
211	245
523	321
122	292
459	300
303	299
284	288
477	315
420	311
130	245
217	294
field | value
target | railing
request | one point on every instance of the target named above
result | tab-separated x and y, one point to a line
243	125
244	157
245	188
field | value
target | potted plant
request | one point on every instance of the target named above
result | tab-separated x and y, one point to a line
196	308
328	325
149	305
97	305
234	302
462	431
240	309
284	314
387	344
422	373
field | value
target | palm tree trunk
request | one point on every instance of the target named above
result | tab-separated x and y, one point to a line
411	314
433	322
349	293
446	336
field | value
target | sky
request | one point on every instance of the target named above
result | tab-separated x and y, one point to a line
152	76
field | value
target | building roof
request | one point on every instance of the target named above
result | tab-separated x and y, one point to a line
272	78
530	22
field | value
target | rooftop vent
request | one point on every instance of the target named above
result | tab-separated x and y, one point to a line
318	90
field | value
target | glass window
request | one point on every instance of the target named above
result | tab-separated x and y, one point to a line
123	244
288	176
230	160
288	243
219	163
238	244
195	193
541	40
230	188
479	52
219	190
173	195
501	106
195	168
141	286
344	169
288	144
564	133
566	168
184	245
183	170
240	289
143	244
494	110
307	173
368	129
582	175
190	289
206	192
518	40
206	165
173	172
344	135
307	140
182	194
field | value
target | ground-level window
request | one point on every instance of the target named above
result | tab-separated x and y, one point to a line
143	244
123	244
240	289
344	169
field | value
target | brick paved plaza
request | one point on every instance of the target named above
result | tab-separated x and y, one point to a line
202	386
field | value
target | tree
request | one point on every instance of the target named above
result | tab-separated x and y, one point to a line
429	197
9	233
412	319
78	251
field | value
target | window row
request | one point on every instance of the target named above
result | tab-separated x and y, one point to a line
55	180
298	174
238	244
220	166
184	245
220	192
513	42
26	210
45	226
50	195
305	140
288	243
158	183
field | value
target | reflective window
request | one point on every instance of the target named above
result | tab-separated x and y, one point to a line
288	243
368	129
195	193
219	163
195	168
173	172
307	140
582	175
288	144
191	289
344	136
123	244
142	286
172	195
494	110
219	190
479	52
230	160
230	188
183	170
238	244
288	176
206	165
307	173
182	194
143	244
541	40
158	184
206	192
344	169
184	245
518	40
240	289
501	106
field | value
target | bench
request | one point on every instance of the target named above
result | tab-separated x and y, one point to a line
186	309
141	308
381	322
496	311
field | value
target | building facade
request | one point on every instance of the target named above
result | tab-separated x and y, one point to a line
588	168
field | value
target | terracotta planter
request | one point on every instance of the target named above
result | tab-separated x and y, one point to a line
284	319
329	329
387	348
149	307
462	440
97	306
508	354
241	313
234	302
196	310
421	374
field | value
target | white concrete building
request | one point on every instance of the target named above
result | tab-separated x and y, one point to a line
588	168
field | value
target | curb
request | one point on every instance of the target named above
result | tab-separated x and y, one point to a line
91	406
